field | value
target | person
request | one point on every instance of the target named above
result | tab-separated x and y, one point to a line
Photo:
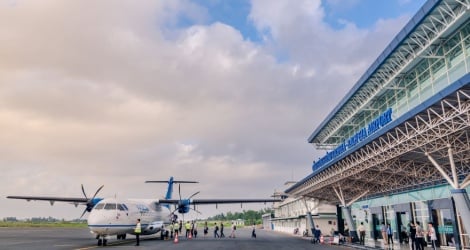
403	235
419	241
180	228
412	235
253	232
432	235
317	234
206	229
362	233
222	235
195	229
383	230
389	234
137	231
176	227
232	234
216	231
172	228
187	227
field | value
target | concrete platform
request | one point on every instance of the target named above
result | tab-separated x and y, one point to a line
70	238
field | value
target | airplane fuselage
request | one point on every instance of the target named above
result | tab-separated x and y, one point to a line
119	217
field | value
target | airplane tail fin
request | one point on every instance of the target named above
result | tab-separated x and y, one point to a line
171	181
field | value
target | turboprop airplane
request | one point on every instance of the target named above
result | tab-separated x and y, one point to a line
110	216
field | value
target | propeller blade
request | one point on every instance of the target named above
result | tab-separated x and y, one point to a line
179	190
194	195
84	211
83	191
97	191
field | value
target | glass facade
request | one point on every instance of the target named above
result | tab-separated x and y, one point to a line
423	206
442	66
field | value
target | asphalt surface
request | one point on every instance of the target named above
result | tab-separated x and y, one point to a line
71	238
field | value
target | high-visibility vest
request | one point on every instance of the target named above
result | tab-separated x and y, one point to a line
138	229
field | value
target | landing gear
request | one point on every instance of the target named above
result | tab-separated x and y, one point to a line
121	236
102	241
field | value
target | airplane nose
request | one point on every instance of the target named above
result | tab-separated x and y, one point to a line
95	221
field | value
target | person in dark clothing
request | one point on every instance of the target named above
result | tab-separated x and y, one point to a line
216	231
389	234
222	235
253	231
317	234
412	235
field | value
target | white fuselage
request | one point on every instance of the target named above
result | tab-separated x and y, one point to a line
119	217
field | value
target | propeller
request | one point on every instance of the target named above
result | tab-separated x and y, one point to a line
183	205
90	202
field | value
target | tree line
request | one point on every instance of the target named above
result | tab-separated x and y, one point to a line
249	216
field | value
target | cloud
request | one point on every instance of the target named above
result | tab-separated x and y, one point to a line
117	94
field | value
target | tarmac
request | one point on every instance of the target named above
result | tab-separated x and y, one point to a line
74	238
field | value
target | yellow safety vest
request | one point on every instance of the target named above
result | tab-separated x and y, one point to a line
138	229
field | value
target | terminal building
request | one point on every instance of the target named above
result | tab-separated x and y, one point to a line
397	146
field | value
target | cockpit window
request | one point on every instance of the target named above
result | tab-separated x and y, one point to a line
99	206
121	207
110	206
125	207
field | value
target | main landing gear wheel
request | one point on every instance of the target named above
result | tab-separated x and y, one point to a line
102	242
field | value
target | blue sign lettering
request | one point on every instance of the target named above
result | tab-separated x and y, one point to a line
361	135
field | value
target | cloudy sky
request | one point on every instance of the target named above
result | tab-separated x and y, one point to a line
226	93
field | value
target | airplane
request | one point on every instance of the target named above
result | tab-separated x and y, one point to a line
110	216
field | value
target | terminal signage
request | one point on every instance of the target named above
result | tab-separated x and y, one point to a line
362	134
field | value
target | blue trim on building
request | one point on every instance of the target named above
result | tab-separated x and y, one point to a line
452	88
417	19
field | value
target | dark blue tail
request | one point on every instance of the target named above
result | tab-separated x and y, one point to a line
169	192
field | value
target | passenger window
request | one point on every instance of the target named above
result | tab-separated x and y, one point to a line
99	206
110	206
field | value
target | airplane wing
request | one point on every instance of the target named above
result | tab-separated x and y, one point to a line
51	199
216	201
88	202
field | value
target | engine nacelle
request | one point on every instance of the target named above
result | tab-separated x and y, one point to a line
154	227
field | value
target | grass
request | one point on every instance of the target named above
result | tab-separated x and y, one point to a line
43	224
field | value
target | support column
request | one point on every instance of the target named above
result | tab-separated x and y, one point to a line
462	205
346	208
310	220
352	226
310	217
458	193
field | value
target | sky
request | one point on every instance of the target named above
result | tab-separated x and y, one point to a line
226	93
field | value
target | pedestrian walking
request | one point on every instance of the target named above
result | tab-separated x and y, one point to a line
419	237
412	235
253	231
432	235
383	230
216	231
222	235
316	234
362	233
234	228
206	229
389	234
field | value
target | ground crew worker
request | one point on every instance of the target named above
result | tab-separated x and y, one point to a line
187	226
137	231
172	227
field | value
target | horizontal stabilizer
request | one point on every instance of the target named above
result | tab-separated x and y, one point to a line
173	181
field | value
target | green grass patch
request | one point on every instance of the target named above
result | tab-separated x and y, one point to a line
43	224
